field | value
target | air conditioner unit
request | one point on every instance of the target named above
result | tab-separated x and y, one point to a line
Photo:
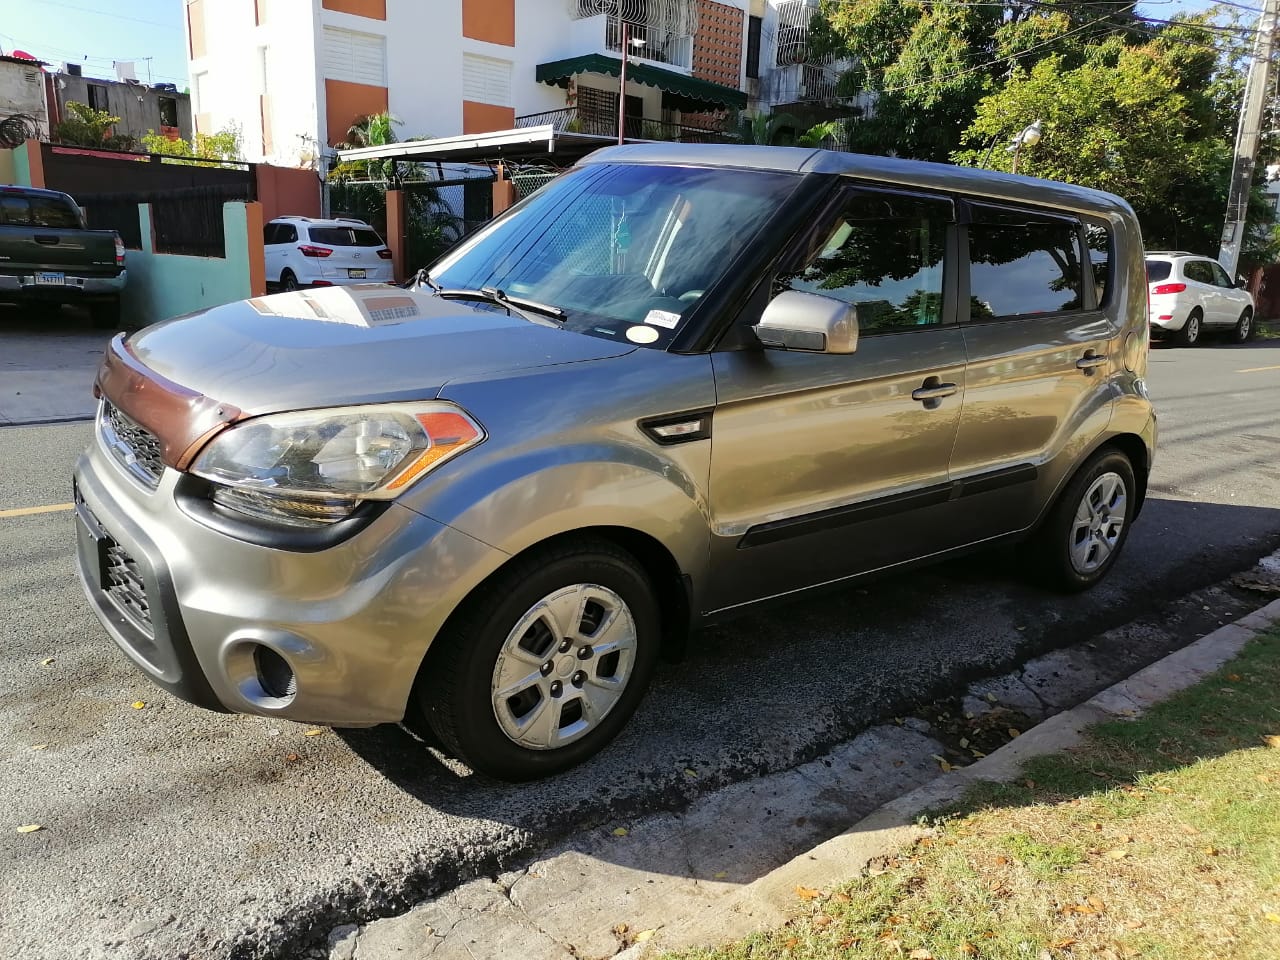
71	69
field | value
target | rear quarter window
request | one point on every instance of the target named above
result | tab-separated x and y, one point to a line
1158	270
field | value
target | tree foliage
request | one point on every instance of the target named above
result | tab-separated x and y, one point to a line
1142	109
83	126
223	145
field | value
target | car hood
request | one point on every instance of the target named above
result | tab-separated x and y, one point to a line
364	344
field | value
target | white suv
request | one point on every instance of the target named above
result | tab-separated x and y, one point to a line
304	252
1190	296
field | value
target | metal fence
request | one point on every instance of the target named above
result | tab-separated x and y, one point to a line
186	221
531	178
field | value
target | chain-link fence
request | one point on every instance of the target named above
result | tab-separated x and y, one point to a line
531	178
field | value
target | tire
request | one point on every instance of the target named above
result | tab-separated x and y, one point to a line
1189	335
1243	330
105	315
497	638
1078	544
288	281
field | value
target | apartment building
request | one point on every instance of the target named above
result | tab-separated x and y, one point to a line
295	74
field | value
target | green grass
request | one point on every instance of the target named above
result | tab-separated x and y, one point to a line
1156	838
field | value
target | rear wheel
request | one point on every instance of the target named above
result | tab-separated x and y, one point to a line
1243	331
544	665
1088	525
1189	335
288	281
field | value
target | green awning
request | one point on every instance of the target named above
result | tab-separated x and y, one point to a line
682	92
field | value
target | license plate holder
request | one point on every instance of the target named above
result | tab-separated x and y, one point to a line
93	550
49	278
354	274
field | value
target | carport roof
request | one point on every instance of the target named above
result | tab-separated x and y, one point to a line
525	143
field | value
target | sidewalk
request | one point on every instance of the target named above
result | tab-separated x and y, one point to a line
708	875
47	366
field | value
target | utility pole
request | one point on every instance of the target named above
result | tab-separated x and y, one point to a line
1248	134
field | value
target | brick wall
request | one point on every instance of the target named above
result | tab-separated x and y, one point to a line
717	52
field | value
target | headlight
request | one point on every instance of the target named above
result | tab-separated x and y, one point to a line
315	466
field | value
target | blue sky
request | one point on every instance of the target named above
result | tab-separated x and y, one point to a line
104	31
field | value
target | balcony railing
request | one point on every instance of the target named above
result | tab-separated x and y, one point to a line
650	43
572	120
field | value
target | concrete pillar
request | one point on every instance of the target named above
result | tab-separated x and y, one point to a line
504	191
256	254
397	232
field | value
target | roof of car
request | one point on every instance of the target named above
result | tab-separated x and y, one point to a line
992	184
1174	254
321	222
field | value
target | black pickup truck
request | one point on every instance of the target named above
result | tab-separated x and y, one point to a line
48	255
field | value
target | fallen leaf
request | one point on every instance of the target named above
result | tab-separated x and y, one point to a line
1117	854
689	772
1273	918
313	732
991	697
1164	789
1096	826
822	920
841	897
1066	944
644	935
1272	741
1031	784
30	828
46	661
1134	924
968	949
1096	903
39	746
1003	861
920	953
964	741
977	753
619	831
944	766
721	875
895	920
619	928
1233	677
1014	732
291	758
790	943
138	704
807	893
1211	851
849	942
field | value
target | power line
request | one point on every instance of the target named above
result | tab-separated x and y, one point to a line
114	16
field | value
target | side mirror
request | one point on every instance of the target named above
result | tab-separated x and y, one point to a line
794	320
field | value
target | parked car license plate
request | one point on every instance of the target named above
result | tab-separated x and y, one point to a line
45	278
355	274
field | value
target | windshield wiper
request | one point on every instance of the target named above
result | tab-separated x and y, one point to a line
527	309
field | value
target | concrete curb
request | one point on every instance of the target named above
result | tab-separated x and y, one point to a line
768	900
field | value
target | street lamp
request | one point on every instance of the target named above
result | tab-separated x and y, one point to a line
1029	136
627	41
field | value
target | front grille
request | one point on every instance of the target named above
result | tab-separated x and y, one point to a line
122	581
135	447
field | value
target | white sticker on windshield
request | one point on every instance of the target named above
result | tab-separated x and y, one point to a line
662	318
642	334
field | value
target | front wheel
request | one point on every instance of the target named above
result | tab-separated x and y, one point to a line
1087	526
1243	331
545	664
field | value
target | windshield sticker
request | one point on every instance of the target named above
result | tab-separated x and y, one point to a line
662	318
642	334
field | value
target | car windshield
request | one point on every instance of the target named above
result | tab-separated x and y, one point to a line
1158	270
345	236
627	251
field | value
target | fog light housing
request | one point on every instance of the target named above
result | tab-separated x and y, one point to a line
275	676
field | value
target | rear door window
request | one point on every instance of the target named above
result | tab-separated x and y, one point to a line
1023	263
1198	271
1158	270
345	237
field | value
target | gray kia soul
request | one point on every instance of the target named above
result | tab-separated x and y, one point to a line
675	383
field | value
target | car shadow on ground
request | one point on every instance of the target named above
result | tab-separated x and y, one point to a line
772	690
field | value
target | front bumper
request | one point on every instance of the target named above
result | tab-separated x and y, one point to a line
72	290
213	618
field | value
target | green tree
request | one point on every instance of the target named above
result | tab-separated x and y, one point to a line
83	126
224	145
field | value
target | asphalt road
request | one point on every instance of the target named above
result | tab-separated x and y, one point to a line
172	832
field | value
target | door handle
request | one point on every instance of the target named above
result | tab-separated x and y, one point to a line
46	239
934	390
1089	361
